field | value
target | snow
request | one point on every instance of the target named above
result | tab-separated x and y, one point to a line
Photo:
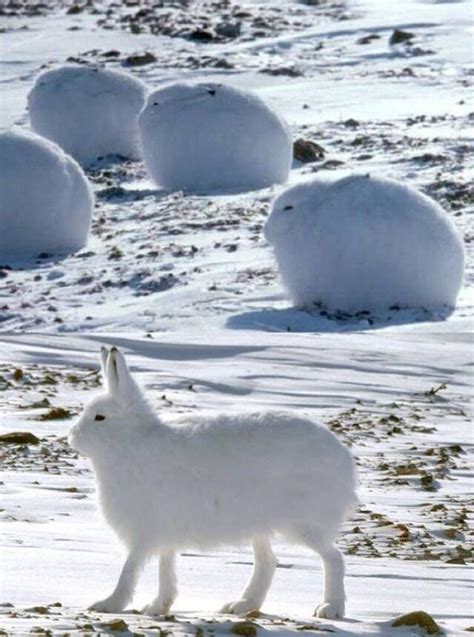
88	110
365	243
46	201
212	138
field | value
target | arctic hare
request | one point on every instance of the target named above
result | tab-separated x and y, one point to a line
209	480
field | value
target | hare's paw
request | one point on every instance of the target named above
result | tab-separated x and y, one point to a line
241	607
109	605
330	610
158	607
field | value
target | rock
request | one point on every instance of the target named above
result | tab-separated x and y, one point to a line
288	71
228	29
399	36
140	60
75	9
351	123
18	374
202	35
307	151
113	53
19	438
247	629
421	619
117	625
56	413
367	39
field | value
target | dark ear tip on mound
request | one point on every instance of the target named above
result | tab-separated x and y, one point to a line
114	349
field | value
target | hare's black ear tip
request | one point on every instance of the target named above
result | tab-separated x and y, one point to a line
103	349
114	350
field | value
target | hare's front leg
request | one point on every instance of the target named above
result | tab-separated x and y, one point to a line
257	588
168	587
125	588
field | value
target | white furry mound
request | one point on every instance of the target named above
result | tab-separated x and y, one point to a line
46	201
213	138
365	243
89	111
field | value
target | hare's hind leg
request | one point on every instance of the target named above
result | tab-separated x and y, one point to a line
125	588
168	586
322	541
262	575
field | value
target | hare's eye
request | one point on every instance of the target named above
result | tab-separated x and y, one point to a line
99	417
288	208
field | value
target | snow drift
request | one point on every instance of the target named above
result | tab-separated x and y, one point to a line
88	110
46	201
365	243
213	138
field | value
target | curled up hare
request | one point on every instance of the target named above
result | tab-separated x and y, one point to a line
210	480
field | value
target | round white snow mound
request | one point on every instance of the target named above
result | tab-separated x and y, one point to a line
45	202
365	243
88	110
212	138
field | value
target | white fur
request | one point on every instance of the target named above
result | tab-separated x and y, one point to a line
211	138
46	201
365	243
202	481
89	111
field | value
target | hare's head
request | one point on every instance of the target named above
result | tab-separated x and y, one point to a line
112	415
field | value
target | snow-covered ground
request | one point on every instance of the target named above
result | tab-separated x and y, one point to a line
158	261
188	287
407	547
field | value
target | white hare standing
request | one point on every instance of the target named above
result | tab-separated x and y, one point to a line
202	481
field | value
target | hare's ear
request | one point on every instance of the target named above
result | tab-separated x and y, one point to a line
104	354
119	379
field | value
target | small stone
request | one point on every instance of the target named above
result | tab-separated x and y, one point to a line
367	39
254	614
399	36
306	151
56	413
247	629
421	619
113	53
39	610
19	438
116	624
351	123
229	29
140	60
18	374
202	35
75	9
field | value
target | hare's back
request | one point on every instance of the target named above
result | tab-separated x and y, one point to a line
272	436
